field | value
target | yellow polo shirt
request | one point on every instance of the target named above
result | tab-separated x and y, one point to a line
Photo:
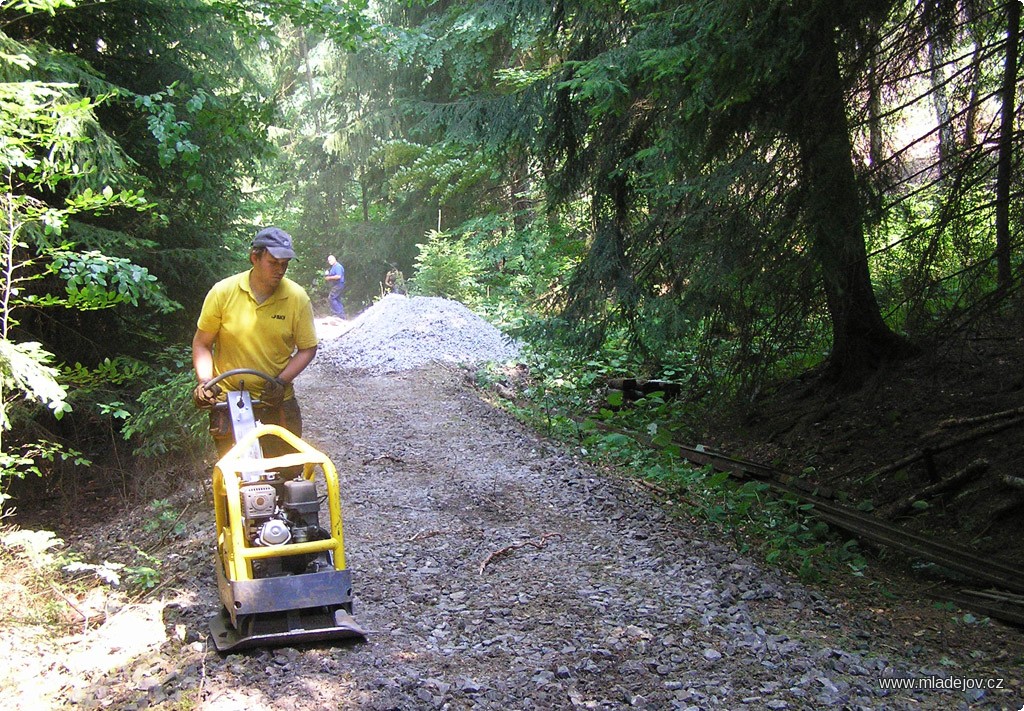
257	336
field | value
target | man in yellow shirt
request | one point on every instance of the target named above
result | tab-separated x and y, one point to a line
257	319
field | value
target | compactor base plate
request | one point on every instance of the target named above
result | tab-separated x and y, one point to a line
283	628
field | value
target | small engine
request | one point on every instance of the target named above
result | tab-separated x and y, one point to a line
277	512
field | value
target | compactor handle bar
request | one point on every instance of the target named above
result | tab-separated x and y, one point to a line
238	371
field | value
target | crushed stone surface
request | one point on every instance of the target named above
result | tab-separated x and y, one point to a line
495	569
401	332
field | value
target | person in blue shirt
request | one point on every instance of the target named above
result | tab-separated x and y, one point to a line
335	278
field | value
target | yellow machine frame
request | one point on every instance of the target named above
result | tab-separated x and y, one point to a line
236	555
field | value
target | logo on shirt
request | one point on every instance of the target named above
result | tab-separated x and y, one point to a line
279	317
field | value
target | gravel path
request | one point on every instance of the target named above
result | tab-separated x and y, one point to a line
495	570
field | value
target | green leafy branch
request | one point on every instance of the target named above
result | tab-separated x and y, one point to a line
45	133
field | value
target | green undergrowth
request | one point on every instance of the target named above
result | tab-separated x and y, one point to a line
642	439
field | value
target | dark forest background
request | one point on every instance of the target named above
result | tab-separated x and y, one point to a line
721	194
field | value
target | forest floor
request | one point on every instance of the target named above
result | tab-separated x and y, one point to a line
495	569
960	401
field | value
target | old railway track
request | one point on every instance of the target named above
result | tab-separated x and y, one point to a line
1005	599
1003	596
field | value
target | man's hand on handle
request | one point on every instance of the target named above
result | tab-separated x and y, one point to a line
205	397
273	392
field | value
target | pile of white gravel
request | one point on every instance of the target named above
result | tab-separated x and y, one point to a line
400	333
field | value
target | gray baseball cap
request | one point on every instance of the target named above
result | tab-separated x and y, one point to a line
277	242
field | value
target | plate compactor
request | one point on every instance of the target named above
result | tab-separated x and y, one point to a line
282	576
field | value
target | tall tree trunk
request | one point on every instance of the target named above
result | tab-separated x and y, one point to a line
938	22
875	138
310	87
364	198
861	340
940	100
519	182
974	78
1005	171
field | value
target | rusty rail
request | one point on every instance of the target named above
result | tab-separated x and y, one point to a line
961	560
1005	602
